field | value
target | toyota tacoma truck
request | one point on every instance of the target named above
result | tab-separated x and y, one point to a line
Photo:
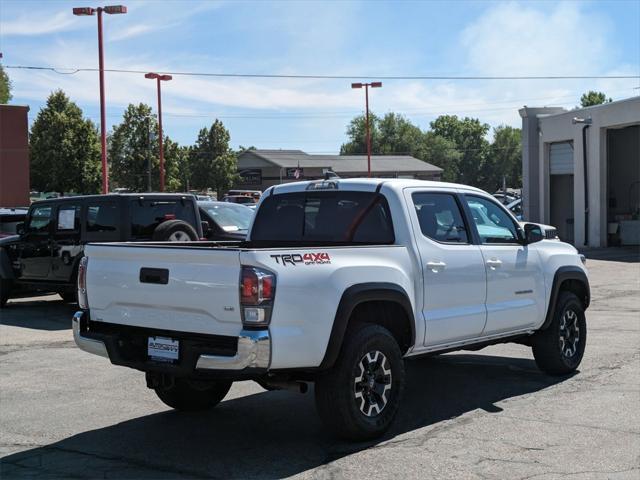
337	282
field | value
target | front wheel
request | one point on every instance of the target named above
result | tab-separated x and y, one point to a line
559	349
191	395
359	397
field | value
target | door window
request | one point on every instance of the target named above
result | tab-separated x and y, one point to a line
440	217
68	218
40	219
494	225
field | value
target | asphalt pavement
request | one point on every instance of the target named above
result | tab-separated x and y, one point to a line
465	415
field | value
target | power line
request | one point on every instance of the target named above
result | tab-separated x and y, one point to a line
74	70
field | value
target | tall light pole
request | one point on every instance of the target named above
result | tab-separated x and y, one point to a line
160	78
89	11
366	97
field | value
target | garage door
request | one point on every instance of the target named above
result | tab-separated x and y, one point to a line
561	158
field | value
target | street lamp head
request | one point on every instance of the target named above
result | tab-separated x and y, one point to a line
165	78
356	85
115	9
83	11
376	84
151	75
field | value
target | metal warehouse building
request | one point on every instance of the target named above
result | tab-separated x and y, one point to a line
259	169
592	195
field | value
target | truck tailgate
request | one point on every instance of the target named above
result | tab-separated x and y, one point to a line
186	289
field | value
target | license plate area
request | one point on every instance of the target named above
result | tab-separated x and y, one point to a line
163	349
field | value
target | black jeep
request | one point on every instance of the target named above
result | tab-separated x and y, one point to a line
44	257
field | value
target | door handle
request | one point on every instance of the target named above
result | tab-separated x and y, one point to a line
436	266
494	263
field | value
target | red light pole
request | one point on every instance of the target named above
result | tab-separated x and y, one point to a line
366	97
89	11
160	78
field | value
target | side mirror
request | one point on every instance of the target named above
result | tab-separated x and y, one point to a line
206	229
20	230
532	233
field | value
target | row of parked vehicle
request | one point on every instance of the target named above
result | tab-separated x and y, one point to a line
42	246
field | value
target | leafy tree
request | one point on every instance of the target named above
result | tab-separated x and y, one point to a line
212	163
176	166
440	152
64	148
503	159
593	98
5	87
357	134
133	145
468	136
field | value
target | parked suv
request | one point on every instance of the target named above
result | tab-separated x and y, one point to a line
44	257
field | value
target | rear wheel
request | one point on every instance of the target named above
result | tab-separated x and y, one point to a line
559	349
359	397
192	395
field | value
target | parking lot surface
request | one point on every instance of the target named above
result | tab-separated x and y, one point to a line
466	415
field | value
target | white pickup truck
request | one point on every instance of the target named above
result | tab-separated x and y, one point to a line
337	282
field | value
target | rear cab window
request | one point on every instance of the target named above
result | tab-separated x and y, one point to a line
324	217
146	214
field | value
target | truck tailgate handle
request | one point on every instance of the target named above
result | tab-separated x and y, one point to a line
154	275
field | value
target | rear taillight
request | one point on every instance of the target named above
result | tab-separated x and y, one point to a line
257	290
82	283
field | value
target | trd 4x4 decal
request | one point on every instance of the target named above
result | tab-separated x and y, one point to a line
306	259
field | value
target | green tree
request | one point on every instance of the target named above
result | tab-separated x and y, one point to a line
391	134
212	163
504	159
64	148
5	87
440	152
176	166
468	136
593	98
133	147
357	135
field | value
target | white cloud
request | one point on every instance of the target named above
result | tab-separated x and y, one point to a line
38	24
131	31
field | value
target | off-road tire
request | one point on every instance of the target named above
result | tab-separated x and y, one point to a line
338	405
174	231
193	396
558	350
5	290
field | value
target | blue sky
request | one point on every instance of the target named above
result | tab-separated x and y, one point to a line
342	38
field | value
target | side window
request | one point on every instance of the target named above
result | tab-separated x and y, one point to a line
493	223
440	217
102	217
40	219
68	218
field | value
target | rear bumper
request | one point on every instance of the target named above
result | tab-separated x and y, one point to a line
253	350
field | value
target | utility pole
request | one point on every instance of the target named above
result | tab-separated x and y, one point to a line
366	99
160	78
89	11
